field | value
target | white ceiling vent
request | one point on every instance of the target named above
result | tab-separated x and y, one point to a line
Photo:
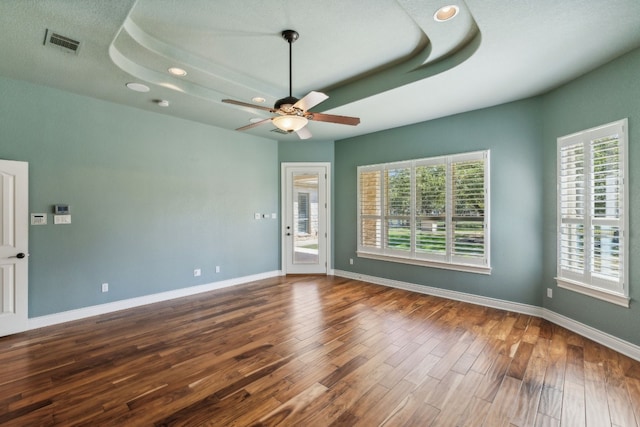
278	130
55	39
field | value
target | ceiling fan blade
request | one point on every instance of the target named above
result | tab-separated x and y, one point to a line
304	133
252	125
332	118
245	104
310	100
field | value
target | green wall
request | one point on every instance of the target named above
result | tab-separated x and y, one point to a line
294	149
512	132
152	198
607	94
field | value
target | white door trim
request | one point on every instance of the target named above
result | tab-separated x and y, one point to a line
14	247
283	206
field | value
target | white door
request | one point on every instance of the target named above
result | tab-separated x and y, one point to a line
14	242
305	241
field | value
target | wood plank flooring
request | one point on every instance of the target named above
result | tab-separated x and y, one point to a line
313	351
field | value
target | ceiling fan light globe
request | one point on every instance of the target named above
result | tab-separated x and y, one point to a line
290	123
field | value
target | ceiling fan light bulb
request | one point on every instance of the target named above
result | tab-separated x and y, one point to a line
290	123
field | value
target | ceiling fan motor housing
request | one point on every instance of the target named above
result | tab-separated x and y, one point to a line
289	100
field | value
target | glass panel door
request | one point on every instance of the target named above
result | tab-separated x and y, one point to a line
305	219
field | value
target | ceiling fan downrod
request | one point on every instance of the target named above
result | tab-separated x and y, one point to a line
290	36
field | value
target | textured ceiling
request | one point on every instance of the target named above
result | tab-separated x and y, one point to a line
385	61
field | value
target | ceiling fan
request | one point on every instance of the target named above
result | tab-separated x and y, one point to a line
292	113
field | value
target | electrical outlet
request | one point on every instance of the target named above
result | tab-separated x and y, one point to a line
197	272
549	293
105	287
351	261
217	269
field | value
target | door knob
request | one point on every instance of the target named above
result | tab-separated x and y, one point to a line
19	255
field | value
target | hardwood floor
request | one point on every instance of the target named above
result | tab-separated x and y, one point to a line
314	351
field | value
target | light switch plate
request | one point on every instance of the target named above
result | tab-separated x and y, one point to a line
62	219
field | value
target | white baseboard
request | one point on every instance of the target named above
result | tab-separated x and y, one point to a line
82	313
607	340
444	293
617	344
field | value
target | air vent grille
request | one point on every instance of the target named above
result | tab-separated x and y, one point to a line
65	43
278	130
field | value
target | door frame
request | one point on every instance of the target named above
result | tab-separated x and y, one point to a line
18	320
284	166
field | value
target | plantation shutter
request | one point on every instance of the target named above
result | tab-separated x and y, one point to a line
398	208
606	182
468	210
572	209
370	206
592	249
432	212
431	209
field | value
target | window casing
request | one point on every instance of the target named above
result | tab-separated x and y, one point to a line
592	215
431	212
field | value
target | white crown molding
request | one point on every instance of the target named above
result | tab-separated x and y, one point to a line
615	343
82	313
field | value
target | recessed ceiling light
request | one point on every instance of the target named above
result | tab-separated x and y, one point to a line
162	102
446	13
177	71
258	99
138	87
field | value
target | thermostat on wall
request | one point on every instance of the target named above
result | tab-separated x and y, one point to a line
61	209
38	219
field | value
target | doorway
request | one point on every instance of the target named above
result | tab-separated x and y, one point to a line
305	219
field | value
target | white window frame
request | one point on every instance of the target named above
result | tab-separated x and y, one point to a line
587	281
449	260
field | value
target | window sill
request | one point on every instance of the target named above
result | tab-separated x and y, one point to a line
467	268
601	294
